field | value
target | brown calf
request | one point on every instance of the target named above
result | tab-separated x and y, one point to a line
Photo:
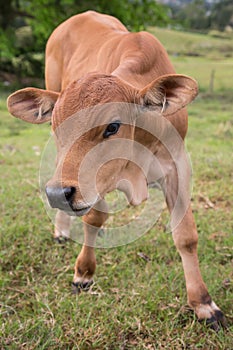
132	101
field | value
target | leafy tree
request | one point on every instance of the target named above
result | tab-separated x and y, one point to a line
194	15
222	14
44	15
135	14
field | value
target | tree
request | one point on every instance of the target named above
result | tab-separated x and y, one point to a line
135	14
194	15
42	16
222	14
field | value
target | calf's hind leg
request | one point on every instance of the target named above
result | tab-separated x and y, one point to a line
62	226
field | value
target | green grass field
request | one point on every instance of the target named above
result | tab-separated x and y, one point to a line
134	304
200	56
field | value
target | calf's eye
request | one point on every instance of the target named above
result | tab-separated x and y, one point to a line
111	129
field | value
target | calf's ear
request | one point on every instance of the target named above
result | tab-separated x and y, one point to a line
169	93
32	105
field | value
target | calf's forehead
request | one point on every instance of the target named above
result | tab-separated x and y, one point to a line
82	97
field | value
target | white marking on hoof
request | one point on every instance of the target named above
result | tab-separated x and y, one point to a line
82	280
62	233
206	311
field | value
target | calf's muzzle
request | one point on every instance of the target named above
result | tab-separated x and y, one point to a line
63	198
60	197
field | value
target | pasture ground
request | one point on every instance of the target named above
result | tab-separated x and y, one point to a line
134	303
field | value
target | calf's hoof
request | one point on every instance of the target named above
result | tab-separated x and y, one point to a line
217	321
211	315
78	287
61	239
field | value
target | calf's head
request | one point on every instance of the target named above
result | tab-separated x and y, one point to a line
93	120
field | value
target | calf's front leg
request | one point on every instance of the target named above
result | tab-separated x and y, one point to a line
86	262
185	237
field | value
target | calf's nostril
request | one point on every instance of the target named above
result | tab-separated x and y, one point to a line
69	192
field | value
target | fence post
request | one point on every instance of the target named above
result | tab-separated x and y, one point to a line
211	84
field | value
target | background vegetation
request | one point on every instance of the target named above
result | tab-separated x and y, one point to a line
26	25
202	14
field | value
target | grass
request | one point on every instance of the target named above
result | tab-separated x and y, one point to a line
200	56
192	44
134	304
